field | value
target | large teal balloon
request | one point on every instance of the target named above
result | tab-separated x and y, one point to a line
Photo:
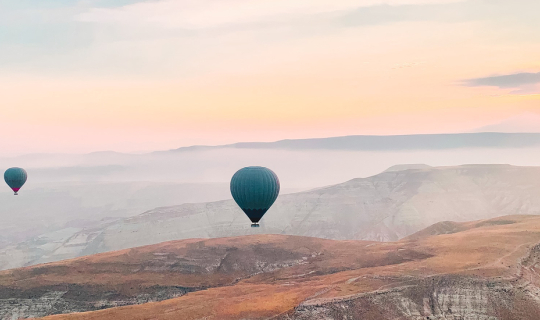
15	178
255	189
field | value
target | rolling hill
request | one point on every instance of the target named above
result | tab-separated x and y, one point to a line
487	270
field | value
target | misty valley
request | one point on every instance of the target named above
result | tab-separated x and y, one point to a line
410	242
270	160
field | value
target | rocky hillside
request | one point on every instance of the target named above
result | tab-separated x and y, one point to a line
486	271
437	298
385	207
165	271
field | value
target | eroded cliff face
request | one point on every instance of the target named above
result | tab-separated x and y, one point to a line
68	299
446	297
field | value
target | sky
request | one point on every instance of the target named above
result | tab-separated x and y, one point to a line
133	76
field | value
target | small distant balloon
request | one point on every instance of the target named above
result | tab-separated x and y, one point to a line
255	189
15	178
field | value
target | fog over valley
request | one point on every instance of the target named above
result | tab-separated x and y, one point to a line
75	205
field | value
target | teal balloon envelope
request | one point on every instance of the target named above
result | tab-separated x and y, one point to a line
255	189
15	178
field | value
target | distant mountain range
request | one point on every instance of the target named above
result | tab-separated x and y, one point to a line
384	207
300	164
393	143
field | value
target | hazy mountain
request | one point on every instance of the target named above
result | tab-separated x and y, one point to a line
300	164
483	270
395	142
402	167
384	207
527	122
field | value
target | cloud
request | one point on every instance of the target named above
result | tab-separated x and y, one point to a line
515	80
197	14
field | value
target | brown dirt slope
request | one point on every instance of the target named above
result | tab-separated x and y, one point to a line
482	270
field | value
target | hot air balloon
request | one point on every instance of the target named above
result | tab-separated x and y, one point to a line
255	189
15	178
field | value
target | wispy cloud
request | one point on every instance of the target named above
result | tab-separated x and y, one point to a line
514	80
523	83
194	14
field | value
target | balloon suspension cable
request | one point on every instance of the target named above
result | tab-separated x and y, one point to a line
254	225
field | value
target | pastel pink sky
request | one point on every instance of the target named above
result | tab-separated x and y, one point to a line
164	74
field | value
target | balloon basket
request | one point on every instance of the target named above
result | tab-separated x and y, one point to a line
254	225
16	194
